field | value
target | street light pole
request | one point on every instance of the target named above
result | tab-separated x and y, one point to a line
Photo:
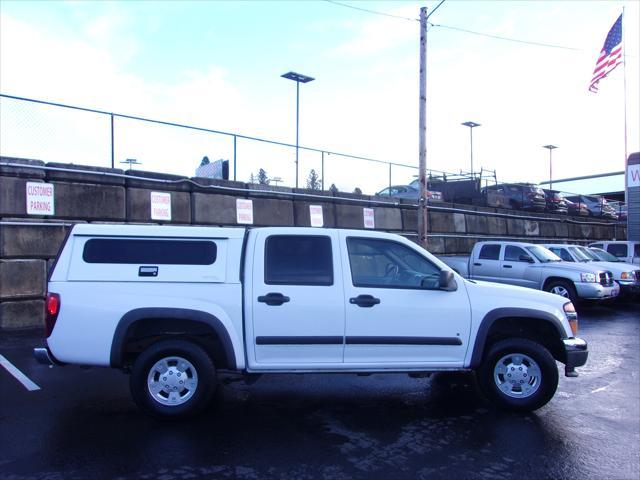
471	125
298	78
550	148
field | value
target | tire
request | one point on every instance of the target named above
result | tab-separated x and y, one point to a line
534	373
564	289
190	383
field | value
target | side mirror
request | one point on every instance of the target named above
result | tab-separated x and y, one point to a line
525	258
447	281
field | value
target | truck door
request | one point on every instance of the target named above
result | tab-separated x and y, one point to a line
396	315
297	300
487	264
516	269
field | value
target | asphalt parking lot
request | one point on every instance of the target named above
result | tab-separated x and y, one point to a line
81	423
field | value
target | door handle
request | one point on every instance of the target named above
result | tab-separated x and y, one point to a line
477	264
150	271
273	299
507	266
364	301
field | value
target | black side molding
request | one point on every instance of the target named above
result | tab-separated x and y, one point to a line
403	341
299	340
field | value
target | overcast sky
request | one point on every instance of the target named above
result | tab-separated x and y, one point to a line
218	65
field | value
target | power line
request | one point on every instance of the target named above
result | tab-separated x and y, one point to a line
373	11
498	37
458	29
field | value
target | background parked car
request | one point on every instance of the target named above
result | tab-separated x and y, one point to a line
408	192
576	208
522	196
626	275
597	205
556	203
627	251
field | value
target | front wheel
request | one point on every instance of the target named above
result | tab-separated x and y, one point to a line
173	378
518	374
564	289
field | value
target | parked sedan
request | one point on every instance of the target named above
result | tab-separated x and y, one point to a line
409	193
597	205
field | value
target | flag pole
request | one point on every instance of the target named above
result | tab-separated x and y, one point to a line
624	70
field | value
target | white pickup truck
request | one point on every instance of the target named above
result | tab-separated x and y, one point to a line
173	305
534	266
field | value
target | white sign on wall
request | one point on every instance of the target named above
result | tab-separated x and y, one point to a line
244	211
160	206
40	199
315	213
369	219
633	175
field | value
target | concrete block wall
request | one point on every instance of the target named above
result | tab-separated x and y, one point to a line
29	244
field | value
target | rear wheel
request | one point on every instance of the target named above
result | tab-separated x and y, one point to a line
173	378
564	289
518	374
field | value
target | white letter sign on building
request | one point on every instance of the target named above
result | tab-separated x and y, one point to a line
315	213
633	175
40	199
160	206
244	211
369	218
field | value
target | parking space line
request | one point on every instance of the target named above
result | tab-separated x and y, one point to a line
18	375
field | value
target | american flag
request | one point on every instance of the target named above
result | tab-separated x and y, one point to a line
610	56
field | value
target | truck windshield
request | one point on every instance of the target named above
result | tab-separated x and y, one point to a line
603	255
581	255
543	255
589	253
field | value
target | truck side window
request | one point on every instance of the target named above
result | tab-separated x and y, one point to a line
512	253
155	252
490	252
617	249
298	260
385	263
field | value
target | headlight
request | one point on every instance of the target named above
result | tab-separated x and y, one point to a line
572	317
588	277
627	276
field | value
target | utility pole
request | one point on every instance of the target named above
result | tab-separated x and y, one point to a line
423	214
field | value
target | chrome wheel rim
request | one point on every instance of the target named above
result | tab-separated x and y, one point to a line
172	381
517	375
560	290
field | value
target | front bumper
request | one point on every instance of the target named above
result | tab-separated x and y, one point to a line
576	353
629	287
596	291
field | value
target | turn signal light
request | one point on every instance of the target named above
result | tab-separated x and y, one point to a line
572	316
52	308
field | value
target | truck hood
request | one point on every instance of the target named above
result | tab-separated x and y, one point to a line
616	268
571	267
487	296
514	292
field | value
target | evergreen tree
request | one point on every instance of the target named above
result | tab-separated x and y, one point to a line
333	188
313	181
357	191
263	178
